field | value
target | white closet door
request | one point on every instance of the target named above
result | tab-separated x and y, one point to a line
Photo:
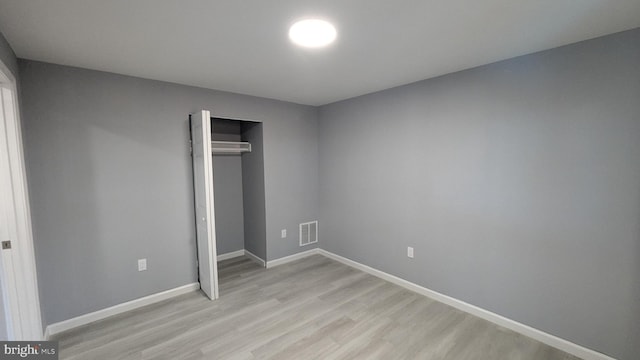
205	215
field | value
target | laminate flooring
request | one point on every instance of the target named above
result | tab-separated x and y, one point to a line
313	308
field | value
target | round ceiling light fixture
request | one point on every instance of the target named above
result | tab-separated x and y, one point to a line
312	33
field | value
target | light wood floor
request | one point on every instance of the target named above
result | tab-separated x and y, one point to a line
314	308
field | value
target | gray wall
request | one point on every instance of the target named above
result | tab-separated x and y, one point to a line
292	178
110	180
517	183
227	180
7	56
253	189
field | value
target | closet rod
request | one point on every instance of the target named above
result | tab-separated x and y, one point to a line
230	147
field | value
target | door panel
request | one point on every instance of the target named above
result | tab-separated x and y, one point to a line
203	192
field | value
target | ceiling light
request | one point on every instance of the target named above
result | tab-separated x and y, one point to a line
312	33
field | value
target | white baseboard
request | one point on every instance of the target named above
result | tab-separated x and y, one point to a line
255	258
290	258
85	319
546	338
230	255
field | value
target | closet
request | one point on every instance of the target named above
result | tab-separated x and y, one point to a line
228	192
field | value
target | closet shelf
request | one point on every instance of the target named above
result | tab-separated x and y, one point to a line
230	147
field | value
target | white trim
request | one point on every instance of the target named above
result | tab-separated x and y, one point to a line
59	327
546	338
290	258
255	258
25	317
231	255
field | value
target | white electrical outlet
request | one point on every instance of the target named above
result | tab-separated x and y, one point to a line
410	252
142	264
283	233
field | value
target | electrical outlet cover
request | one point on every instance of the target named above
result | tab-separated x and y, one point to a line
142	264
410	252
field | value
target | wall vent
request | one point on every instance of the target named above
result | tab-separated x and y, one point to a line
308	233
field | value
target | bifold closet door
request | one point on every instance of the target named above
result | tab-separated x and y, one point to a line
204	204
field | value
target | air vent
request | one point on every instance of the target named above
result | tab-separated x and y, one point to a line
308	233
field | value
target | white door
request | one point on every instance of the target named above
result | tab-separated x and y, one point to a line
203	192
21	318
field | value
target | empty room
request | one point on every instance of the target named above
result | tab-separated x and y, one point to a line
320	179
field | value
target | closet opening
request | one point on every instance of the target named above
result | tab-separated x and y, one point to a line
238	178
229	197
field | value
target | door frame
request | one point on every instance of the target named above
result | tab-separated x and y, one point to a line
19	276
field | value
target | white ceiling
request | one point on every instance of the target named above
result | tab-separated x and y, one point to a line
242	46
